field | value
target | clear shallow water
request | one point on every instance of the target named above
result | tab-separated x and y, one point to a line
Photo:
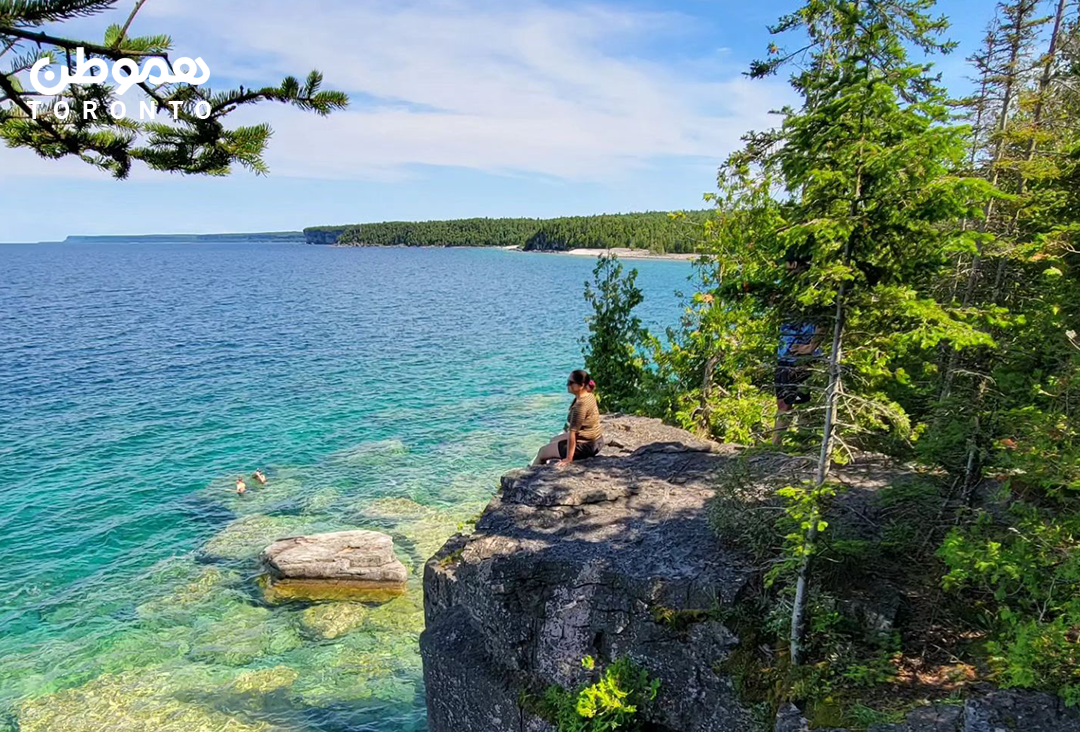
379	388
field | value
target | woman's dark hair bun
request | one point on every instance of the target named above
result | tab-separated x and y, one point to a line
581	378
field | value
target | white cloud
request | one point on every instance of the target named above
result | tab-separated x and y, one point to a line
521	87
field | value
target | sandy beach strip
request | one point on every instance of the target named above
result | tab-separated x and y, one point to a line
627	253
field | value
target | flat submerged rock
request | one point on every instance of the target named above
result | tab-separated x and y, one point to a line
340	565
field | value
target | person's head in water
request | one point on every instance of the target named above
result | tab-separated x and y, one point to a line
580	382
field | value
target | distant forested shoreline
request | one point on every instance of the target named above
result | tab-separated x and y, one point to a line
655	231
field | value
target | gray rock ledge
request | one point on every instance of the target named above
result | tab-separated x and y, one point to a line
580	562
1003	710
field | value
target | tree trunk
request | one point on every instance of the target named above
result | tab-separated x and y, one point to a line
705	425
832	393
798	611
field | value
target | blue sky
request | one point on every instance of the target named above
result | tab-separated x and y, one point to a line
460	108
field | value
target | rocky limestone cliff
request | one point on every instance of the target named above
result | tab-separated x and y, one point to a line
598	559
570	563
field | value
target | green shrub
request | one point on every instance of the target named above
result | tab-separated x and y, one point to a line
1041	655
1023	579
615	702
680	621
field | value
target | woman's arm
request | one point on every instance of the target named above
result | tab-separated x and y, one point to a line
571	445
808	349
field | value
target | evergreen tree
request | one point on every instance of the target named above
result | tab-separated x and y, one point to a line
1004	71
871	202
189	141
952	304
615	334
1019	572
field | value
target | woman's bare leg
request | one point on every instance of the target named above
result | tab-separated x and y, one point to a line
550	451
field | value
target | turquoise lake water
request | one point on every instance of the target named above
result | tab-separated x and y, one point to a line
378	388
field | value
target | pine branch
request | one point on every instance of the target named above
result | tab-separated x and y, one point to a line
123	31
14	93
36	12
290	91
116	38
71	45
26	61
186	143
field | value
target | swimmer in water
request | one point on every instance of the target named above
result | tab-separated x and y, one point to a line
240	485
259	476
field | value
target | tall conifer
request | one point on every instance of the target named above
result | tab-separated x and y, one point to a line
864	174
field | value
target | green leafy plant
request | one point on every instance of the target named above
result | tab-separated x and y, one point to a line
680	621
618	700
1024	578
804	509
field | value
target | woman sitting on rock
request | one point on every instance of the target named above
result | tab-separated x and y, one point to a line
582	438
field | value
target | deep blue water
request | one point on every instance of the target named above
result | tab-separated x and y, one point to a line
138	380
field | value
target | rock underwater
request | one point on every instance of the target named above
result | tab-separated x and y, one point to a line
356	564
